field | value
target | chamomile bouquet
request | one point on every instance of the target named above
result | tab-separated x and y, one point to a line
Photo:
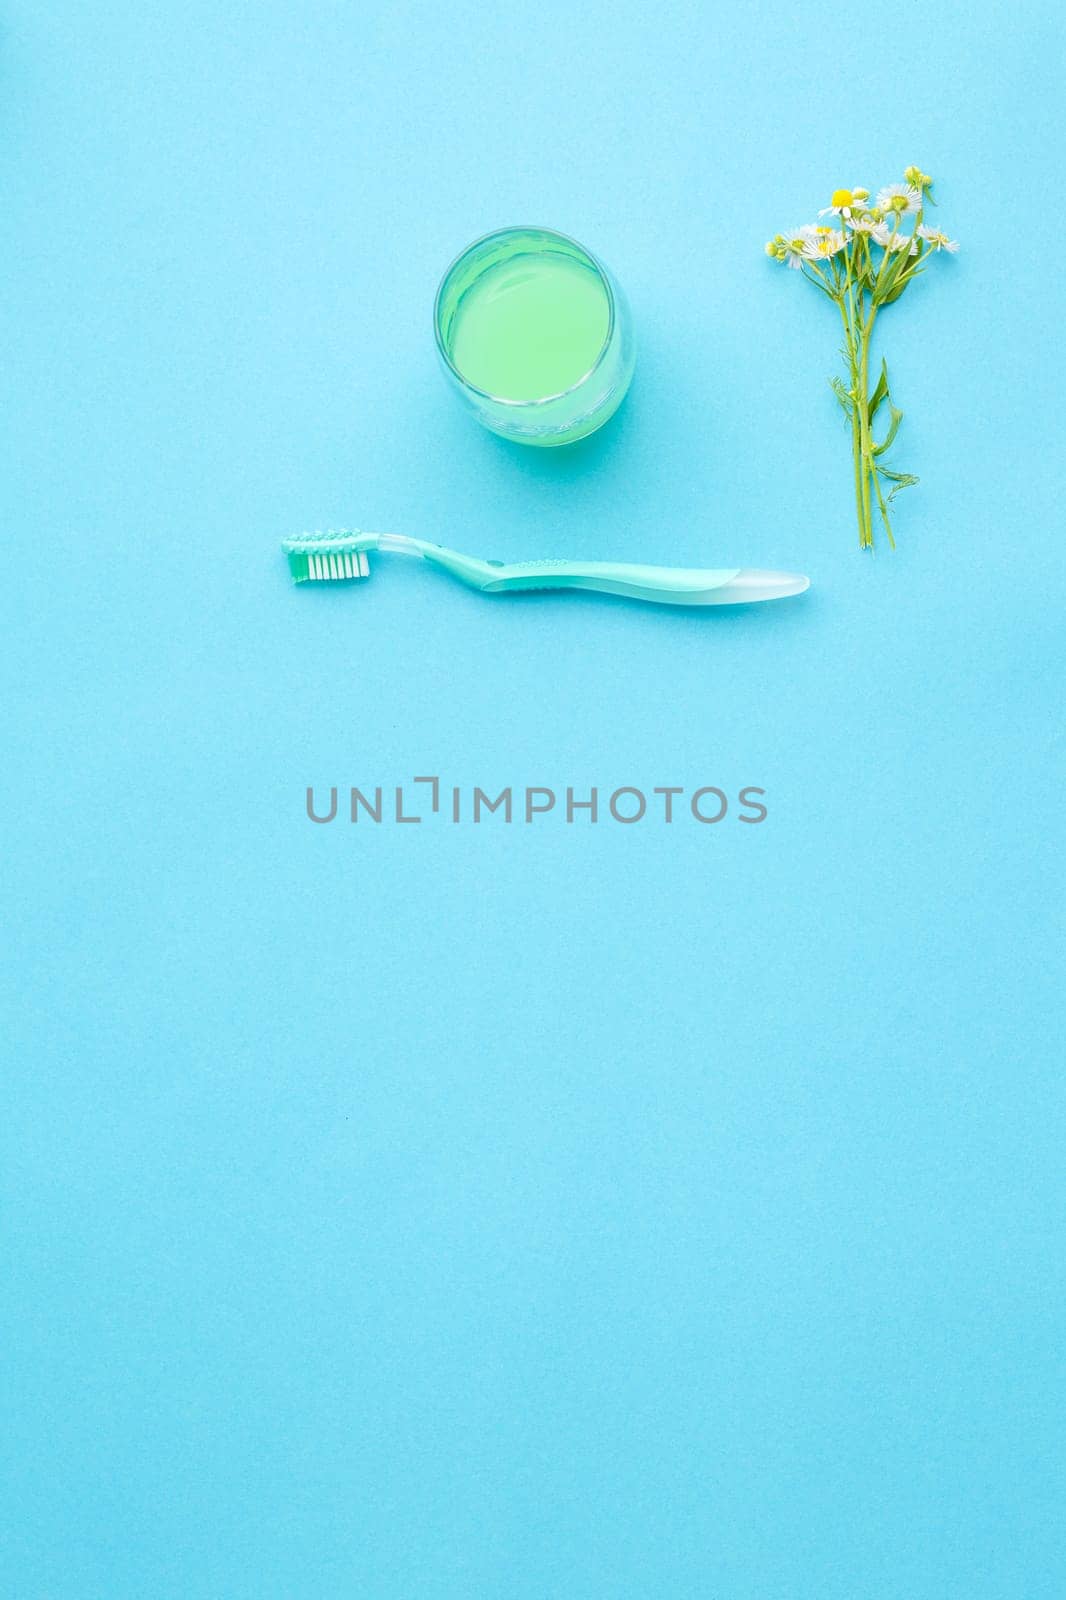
862	258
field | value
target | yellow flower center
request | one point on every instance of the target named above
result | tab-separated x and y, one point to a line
841	197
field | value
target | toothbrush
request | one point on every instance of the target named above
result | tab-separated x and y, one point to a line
343	554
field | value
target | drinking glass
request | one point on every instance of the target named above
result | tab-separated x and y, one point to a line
535	336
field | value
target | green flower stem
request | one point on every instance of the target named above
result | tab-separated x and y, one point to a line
852	315
871	469
846	315
866	536
883	507
869	461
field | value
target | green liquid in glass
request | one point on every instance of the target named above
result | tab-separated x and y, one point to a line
530	327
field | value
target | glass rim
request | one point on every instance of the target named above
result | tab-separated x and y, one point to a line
501	233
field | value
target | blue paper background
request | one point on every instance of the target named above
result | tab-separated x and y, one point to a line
544	1211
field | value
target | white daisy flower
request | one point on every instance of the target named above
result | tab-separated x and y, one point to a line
864	224
843	202
893	240
795	242
822	243
937	240
899	191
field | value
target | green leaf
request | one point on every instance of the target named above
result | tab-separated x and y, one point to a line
901	480
812	277
915	272
843	394
896	417
879	393
891	288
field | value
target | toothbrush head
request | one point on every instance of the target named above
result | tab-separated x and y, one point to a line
317	557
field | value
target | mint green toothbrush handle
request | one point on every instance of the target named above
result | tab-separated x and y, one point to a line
679	586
